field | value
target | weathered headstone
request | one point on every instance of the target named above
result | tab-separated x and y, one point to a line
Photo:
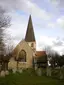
48	71
2	74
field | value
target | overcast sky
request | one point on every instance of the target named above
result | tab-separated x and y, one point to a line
47	17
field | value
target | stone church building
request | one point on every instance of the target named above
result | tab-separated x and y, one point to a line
25	52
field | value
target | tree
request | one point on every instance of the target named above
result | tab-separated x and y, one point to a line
57	60
54	60
4	23
50	54
8	55
4	18
60	61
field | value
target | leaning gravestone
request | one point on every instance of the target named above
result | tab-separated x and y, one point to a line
2	74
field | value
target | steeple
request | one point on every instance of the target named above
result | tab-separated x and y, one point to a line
30	37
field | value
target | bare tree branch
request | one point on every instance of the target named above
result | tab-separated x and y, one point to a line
4	18
4	23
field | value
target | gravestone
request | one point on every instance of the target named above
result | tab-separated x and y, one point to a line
48	71
61	76
2	74
61	73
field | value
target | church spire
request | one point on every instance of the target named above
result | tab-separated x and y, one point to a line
30	37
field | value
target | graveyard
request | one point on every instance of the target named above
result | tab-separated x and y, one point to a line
32	77
29	77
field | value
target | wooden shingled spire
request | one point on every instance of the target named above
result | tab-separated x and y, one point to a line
30	37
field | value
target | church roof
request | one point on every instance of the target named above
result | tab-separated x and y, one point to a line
40	53
30	32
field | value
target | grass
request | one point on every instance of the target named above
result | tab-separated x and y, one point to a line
26	78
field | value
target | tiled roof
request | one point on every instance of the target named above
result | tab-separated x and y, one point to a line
40	53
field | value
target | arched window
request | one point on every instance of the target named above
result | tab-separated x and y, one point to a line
22	56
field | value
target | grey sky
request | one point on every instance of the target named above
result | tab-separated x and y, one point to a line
47	17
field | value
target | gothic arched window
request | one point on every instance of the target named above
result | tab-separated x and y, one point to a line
22	56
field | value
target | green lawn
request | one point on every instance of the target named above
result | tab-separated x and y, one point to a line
27	79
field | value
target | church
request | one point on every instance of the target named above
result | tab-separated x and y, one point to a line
25	52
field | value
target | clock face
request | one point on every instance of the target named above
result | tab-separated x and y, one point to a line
22	56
